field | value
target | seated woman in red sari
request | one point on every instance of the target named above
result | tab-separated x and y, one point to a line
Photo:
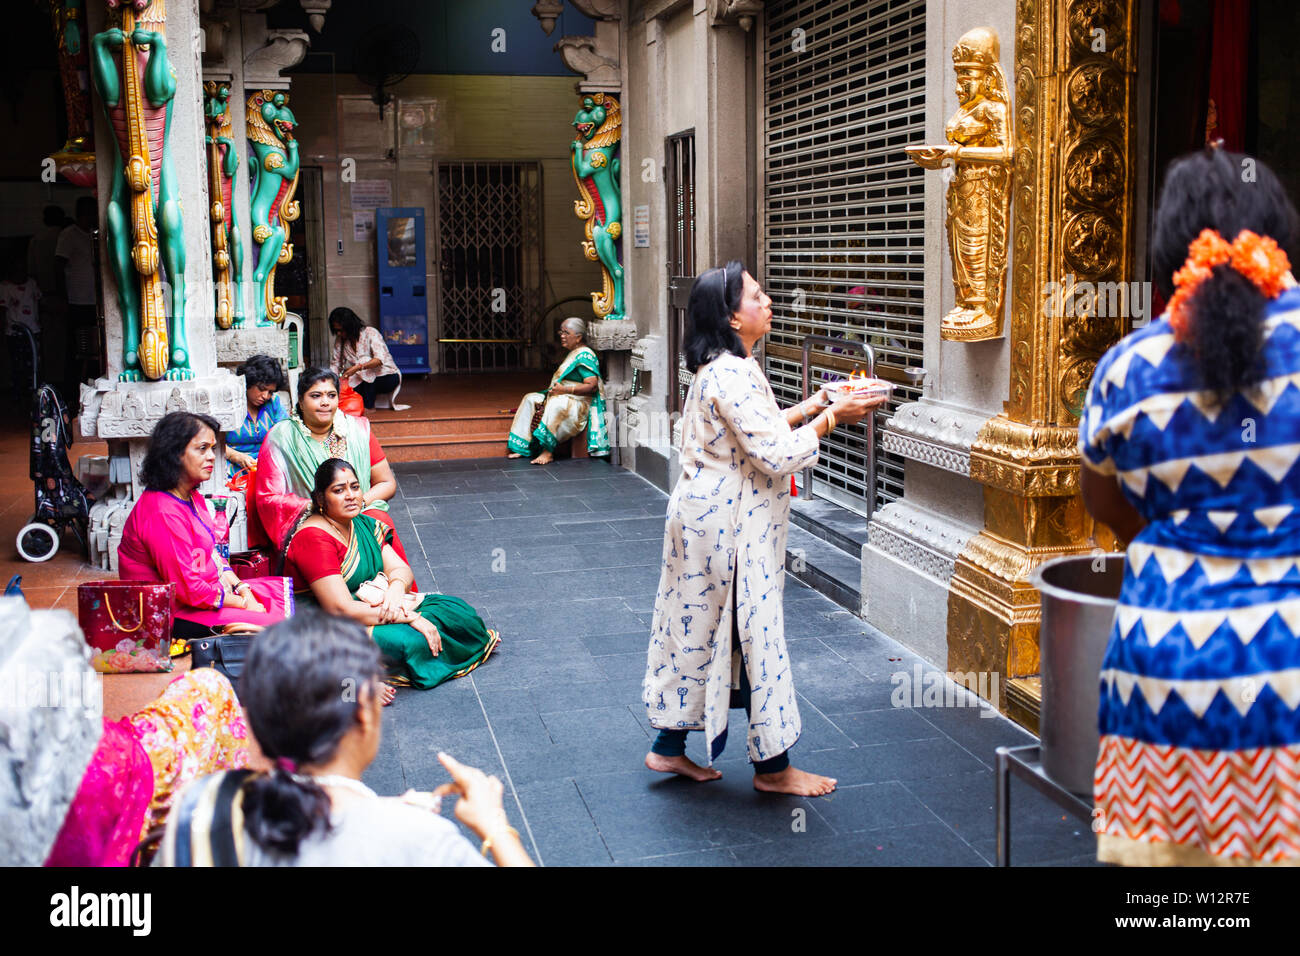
342	559
170	536
287	463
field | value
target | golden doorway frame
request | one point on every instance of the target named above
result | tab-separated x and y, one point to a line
1073	202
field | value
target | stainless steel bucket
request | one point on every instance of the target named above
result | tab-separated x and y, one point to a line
1079	594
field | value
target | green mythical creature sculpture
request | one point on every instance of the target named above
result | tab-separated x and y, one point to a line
227	244
596	169
274	179
143	215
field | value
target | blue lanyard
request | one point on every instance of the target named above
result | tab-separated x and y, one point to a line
212	536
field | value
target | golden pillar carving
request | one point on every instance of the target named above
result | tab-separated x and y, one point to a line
1073	185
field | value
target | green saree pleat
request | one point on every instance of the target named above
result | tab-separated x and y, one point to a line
466	641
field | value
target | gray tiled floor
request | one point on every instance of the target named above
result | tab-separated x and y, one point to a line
564	561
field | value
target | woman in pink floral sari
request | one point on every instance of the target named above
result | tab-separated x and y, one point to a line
195	728
169	536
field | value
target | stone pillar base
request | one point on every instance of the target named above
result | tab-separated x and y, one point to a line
907	564
239	345
913	543
112	409
605	335
125	414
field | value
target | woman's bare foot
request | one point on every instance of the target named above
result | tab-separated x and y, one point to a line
545	458
798	782
386	694
513	454
680	765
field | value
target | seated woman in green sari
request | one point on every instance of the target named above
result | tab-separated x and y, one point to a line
345	561
573	401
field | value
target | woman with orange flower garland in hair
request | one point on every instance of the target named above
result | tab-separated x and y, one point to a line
1189	441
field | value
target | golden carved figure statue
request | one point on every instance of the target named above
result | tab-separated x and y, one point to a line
981	148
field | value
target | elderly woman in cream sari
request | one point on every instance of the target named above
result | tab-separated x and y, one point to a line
574	400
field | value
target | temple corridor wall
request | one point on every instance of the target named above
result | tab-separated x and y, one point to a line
479	118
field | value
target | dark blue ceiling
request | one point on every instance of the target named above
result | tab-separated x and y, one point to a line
453	36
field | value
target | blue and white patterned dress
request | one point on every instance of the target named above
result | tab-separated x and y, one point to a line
252	431
1200	746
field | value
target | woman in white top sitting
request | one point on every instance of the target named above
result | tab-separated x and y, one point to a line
311	691
361	357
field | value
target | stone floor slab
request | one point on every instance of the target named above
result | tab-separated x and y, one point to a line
565	561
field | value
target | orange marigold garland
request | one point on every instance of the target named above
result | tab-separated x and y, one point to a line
1258	258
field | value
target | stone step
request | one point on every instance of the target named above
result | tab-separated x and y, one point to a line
444	447
825	568
401	426
839	526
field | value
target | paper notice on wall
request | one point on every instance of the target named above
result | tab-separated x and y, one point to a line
372	193
363	225
641	227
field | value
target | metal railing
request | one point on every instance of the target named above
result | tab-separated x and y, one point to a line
911	375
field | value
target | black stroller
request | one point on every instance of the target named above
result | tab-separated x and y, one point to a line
61	502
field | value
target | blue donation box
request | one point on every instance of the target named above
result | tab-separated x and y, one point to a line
403	302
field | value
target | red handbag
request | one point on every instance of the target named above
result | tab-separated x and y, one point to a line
250	564
128	624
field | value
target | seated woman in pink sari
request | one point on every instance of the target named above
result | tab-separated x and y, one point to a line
169	536
286	465
195	727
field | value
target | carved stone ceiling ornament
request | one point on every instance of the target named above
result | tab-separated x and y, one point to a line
268	52
739	12
598	9
596	57
547	12
316	10
581	54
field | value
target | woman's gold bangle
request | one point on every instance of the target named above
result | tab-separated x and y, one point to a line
487	841
830	421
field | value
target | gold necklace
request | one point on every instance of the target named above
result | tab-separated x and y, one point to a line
346	537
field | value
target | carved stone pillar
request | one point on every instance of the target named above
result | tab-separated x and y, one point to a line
1075	104
613	340
249	58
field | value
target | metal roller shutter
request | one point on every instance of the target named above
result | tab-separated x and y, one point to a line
844	220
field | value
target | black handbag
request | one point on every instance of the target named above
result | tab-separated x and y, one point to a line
224	653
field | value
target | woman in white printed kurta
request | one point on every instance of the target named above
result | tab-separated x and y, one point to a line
724	546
